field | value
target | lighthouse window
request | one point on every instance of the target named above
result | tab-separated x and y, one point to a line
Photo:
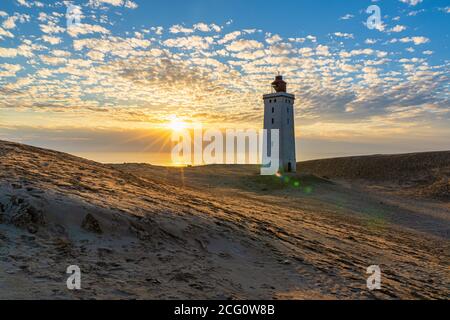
270	101
275	100
273	120
288	121
273	110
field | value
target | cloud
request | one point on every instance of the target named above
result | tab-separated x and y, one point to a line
359	52
96	55
51	28
9	70
130	4
158	30
416	40
411	2
116	3
53	61
322	50
180	29
114	46
60	53
250	55
311	38
82	29
192	42
348	16
203	27
51	40
273	39
398	28
5	33
230	37
29	4
241	45
8	52
344	35
415	12
10	22
370	41
297	40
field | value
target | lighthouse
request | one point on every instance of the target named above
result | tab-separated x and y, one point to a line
279	114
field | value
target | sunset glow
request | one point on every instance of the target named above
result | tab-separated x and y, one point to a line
125	69
177	125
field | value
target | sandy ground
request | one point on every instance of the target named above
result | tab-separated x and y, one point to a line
218	232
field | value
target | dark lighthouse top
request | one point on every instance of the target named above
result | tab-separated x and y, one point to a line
279	84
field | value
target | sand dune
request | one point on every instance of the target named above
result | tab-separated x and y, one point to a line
218	232
417	174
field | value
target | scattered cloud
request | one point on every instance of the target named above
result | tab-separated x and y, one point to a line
348	16
29	4
180	29
416	40
398	28
84	28
51	40
9	70
116	3
242	45
5	33
344	35
370	41
230	37
411	2
126	76
273	39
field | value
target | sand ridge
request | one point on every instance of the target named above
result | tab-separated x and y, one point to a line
145	232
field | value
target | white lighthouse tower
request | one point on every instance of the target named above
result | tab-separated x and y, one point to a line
279	114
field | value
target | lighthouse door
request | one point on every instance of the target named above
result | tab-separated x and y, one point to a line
289	167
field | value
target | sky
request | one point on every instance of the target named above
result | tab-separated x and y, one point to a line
109	87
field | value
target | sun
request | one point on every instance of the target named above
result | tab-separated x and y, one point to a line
177	124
